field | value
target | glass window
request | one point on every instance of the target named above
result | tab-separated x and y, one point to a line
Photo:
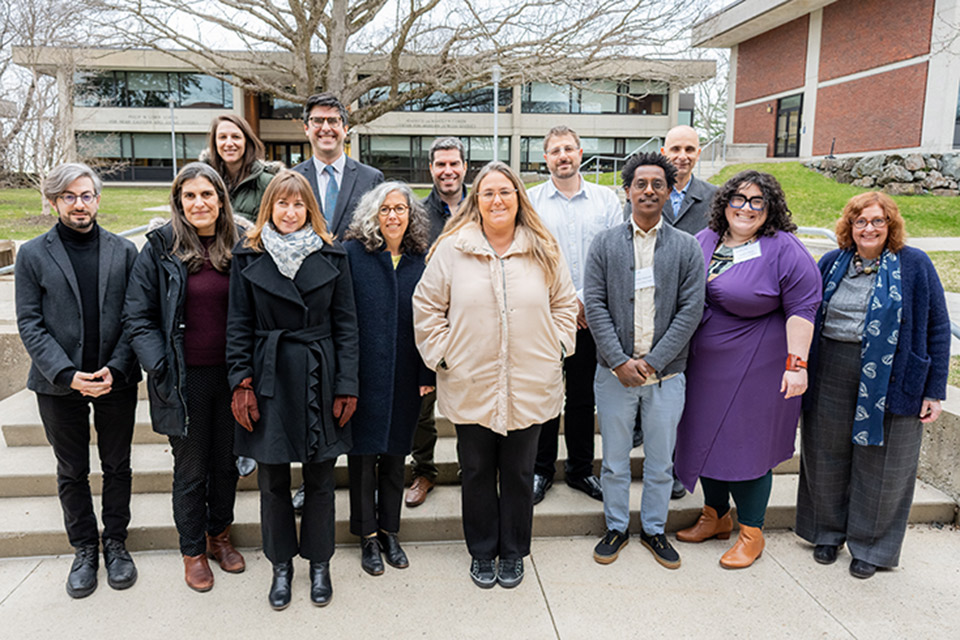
204	92
479	100
599	96
93	144
148	89
272	108
190	145
541	97
96	89
152	147
645	97
685	116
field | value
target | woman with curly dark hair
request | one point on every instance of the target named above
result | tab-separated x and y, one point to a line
742	405
385	245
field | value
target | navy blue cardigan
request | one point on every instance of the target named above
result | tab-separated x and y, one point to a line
922	360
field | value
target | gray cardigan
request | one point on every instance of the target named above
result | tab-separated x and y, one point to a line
680	280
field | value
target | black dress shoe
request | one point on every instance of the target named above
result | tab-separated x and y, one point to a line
540	486
121	572
677	491
246	466
590	485
321	589
825	553
82	580
392	552
297	501
370	558
279	596
862	569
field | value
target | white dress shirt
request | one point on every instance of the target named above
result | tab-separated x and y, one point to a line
323	177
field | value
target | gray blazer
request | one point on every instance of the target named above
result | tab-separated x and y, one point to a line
680	280
358	178
50	316
694	211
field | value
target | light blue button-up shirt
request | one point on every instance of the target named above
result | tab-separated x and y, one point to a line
575	221
676	198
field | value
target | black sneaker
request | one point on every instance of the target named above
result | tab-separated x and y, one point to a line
660	548
121	572
510	573
609	547
483	573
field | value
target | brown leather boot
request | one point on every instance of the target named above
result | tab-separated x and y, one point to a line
196	571
708	526
748	548
220	549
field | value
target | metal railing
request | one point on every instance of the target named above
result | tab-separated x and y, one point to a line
593	163
123	234
715	149
817	231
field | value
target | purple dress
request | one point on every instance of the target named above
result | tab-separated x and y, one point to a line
736	424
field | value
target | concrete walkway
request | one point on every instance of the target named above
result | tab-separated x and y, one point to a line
565	595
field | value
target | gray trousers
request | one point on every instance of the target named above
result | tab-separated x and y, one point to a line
848	493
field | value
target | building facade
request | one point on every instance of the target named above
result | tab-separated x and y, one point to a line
814	77
133	108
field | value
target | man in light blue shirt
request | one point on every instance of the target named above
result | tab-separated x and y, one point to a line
574	211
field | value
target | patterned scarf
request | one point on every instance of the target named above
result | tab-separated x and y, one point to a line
290	250
880	334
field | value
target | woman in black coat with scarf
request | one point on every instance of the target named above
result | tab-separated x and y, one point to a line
386	244
292	350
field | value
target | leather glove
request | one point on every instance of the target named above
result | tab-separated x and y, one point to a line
244	404
343	408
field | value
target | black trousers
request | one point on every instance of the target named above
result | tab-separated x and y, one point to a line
66	421
497	492
425	439
578	411
204	467
278	524
376	491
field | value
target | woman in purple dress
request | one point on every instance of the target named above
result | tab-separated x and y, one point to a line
742	404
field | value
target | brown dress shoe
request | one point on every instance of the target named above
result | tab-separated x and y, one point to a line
748	548
708	526
196	571
418	491
221	549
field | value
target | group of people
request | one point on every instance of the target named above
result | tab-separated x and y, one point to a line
297	315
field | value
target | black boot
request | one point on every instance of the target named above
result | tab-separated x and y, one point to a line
279	596
121	572
82	580
321	589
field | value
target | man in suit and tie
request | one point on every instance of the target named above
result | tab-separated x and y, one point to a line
71	282
338	181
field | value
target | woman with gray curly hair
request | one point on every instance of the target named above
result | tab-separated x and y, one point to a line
385	244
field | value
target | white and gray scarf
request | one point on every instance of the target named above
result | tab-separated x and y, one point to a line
290	250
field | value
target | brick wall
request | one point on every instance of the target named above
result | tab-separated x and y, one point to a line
772	62
754	124
862	34
883	111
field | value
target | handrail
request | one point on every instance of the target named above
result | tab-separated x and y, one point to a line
817	231
595	160
955	329
123	234
717	141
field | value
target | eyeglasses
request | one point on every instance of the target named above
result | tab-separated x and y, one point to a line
555	151
71	198
317	121
640	184
400	209
878	223
505	194
739	201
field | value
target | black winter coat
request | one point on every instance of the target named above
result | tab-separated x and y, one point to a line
391	370
298	340
153	322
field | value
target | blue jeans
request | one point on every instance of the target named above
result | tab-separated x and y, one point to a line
661	405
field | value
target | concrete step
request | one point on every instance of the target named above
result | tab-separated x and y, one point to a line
34	525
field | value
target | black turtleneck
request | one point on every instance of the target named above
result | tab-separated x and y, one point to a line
83	249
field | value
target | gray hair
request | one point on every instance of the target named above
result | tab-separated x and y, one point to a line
60	178
448	142
366	221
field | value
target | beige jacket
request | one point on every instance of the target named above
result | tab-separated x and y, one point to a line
494	331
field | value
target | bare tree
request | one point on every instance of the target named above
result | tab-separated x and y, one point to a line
405	49
710	113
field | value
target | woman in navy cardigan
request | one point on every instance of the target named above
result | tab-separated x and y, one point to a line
879	371
385	244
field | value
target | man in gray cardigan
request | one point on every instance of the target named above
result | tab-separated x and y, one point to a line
71	283
643	290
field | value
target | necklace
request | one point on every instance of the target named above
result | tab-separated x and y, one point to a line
872	266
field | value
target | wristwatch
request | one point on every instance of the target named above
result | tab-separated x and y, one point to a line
794	363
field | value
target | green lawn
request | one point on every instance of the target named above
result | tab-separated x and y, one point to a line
121	208
954	377
948	268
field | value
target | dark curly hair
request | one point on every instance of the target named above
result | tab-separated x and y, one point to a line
778	215
644	159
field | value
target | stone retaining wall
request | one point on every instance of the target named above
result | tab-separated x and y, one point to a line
908	174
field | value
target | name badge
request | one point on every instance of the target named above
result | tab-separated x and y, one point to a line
643	278
746	252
